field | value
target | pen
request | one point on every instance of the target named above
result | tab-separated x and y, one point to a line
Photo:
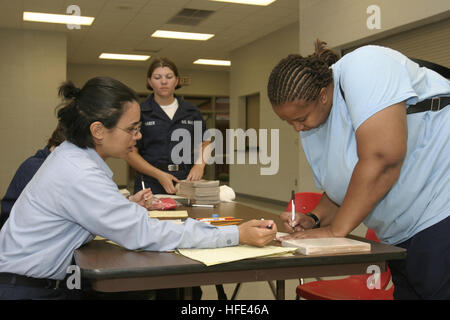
203	205
269	226
143	188
219	219
293	208
143	184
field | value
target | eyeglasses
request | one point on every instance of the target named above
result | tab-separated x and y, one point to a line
134	131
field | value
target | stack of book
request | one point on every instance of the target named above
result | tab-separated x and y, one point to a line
201	191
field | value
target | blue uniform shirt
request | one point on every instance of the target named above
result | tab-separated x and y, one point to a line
23	175
374	78
71	199
156	145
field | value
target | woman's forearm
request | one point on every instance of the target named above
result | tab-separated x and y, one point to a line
138	163
325	210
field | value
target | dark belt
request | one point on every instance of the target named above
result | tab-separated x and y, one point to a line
434	104
19	280
171	167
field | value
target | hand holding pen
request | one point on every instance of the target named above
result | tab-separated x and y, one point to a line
293	224
257	232
143	198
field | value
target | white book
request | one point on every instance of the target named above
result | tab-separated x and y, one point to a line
326	245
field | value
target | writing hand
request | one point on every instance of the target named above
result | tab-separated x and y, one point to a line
257	233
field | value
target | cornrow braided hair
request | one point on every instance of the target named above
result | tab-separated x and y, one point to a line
296	77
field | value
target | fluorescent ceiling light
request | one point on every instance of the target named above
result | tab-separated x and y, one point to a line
116	56
213	62
250	2
181	35
57	18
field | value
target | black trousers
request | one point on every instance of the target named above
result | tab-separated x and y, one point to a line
13	292
425	273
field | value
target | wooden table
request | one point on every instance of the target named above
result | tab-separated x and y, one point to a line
111	268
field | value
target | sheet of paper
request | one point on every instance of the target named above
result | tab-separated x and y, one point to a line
215	256
168	214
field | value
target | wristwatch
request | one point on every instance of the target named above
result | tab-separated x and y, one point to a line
316	220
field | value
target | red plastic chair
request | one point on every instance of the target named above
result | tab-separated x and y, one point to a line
351	288
305	201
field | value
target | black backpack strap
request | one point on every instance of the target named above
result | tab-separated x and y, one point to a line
433	104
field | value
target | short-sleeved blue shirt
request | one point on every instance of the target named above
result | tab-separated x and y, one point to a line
374	78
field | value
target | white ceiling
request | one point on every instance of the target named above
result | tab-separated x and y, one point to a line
125	26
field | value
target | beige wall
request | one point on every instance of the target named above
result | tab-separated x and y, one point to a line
251	67
203	82
32	66
213	83
343	23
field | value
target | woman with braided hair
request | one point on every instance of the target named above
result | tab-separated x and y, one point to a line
375	131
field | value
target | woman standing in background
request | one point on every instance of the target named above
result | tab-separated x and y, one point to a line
161	114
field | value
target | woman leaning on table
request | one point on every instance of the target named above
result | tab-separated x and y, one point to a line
161	114
72	198
377	162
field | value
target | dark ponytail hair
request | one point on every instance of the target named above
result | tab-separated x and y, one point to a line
296	77
101	99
